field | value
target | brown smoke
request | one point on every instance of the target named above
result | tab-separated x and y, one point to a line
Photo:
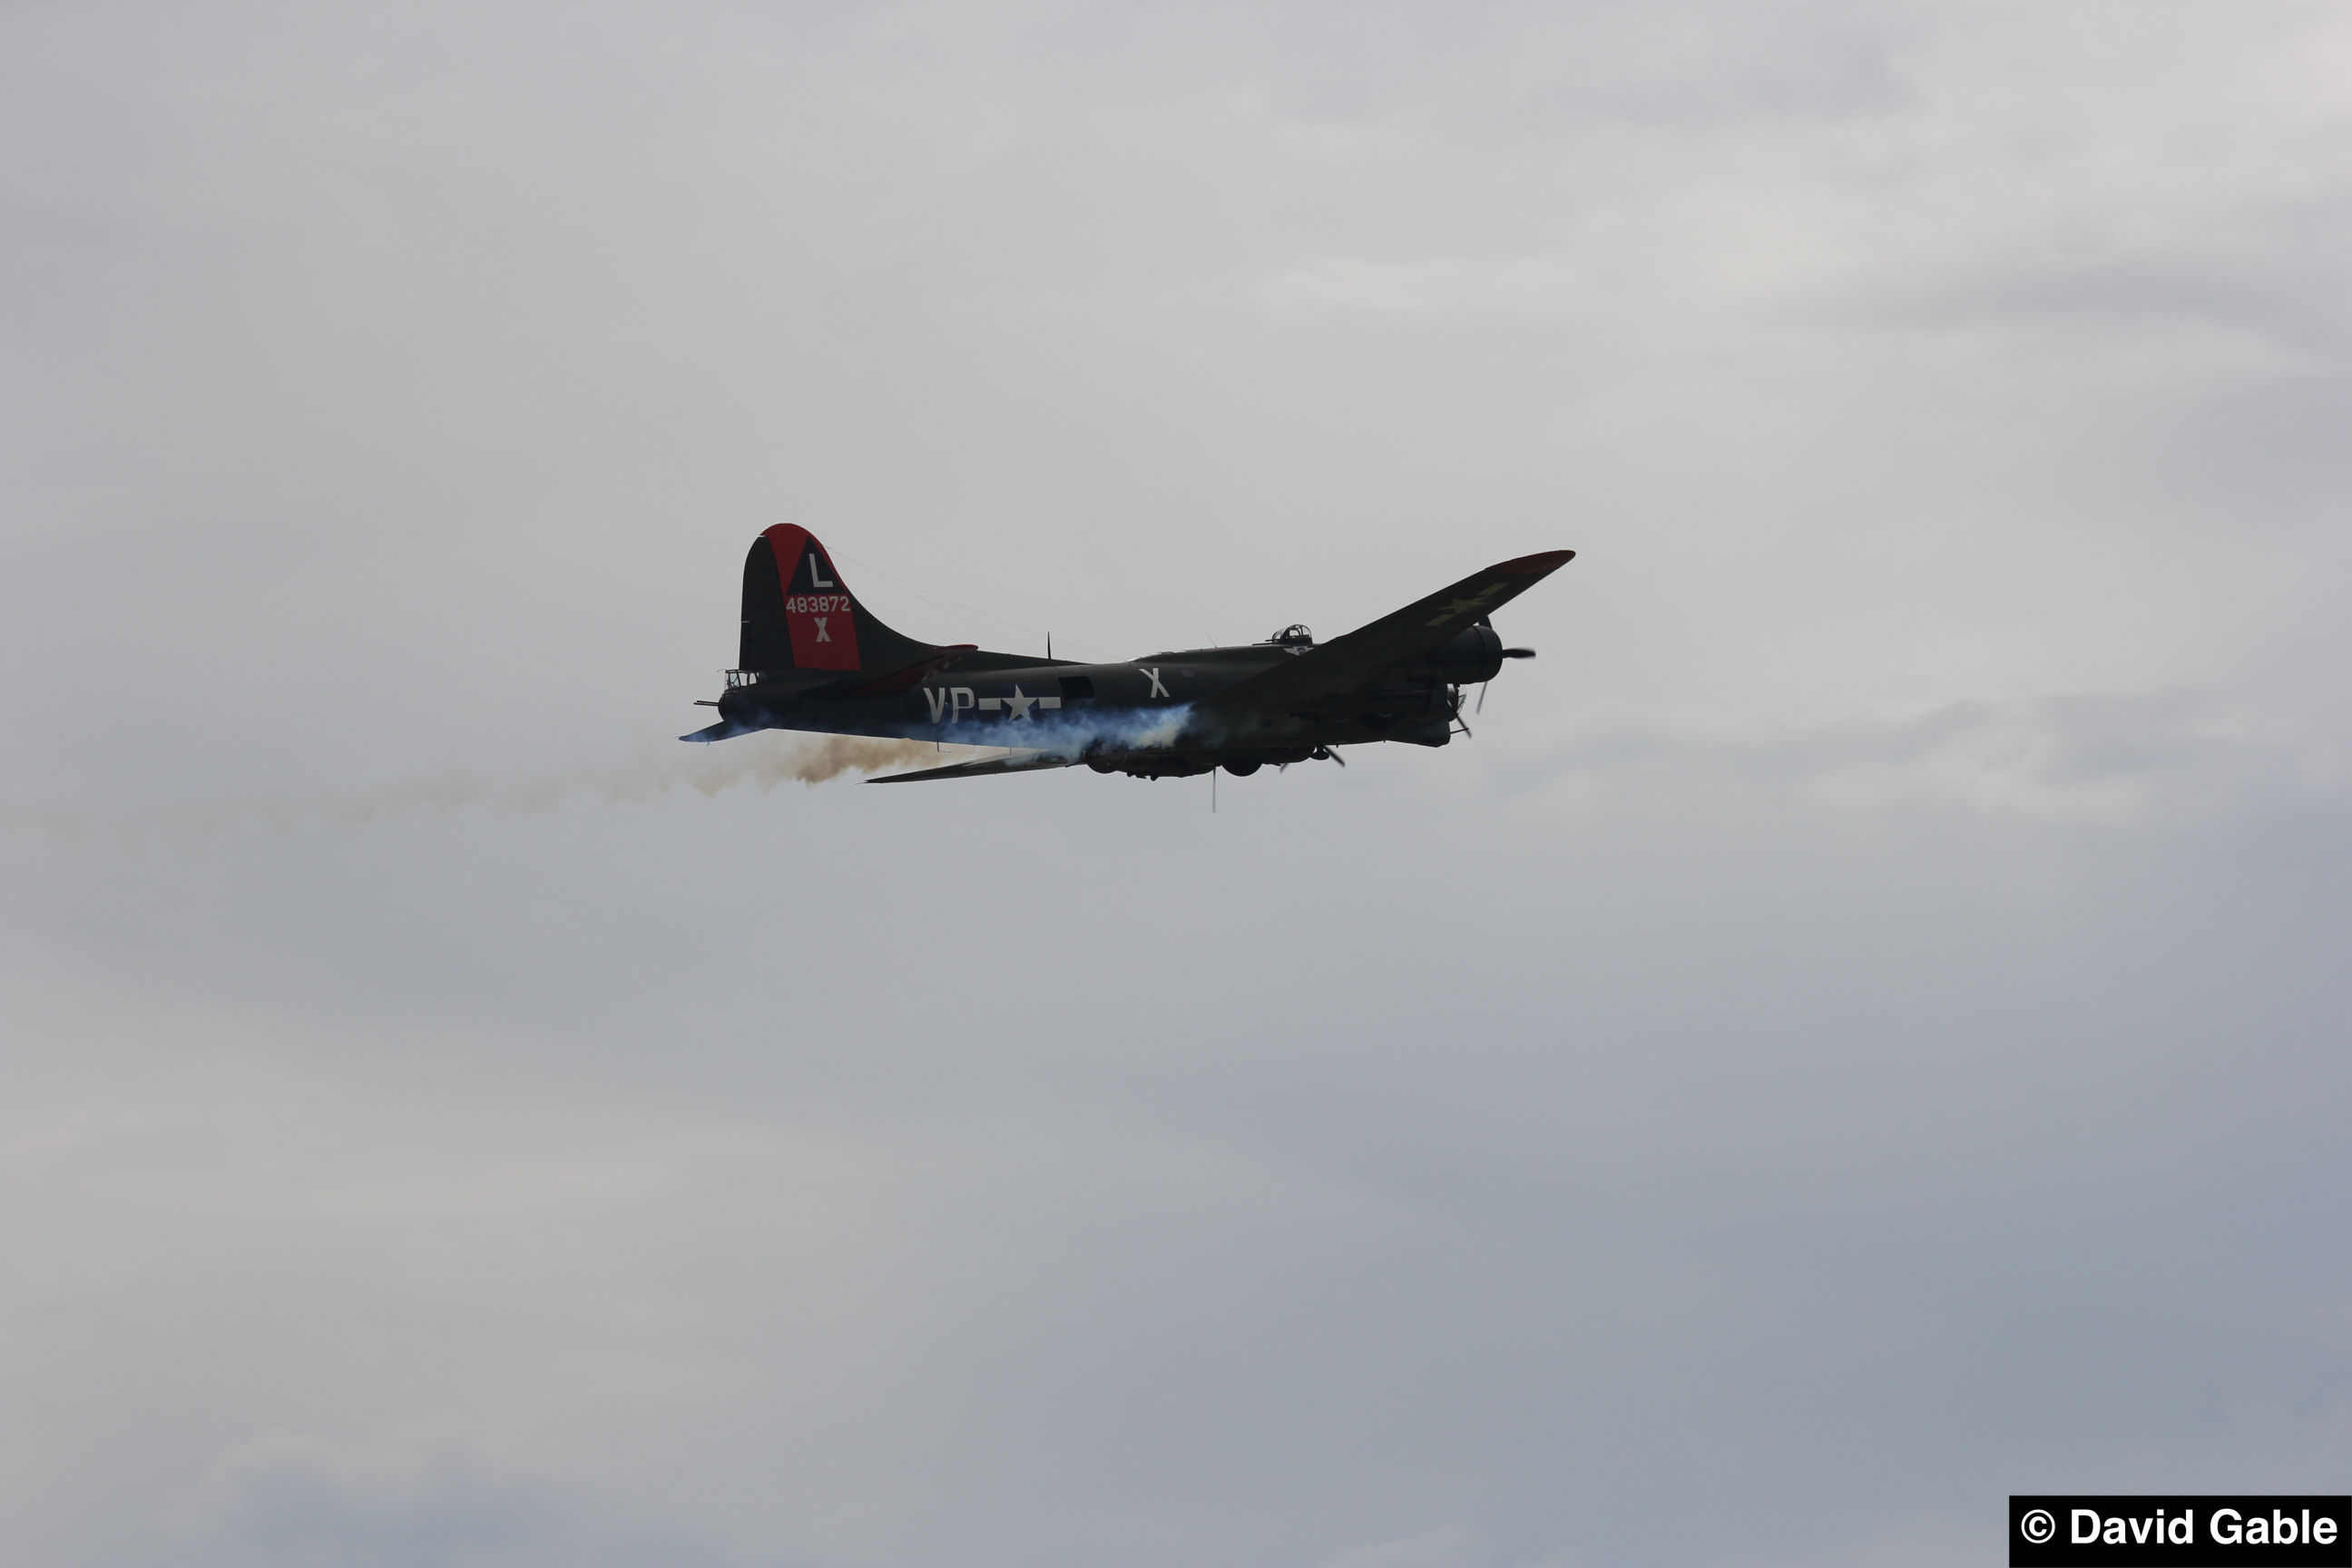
799	759
765	760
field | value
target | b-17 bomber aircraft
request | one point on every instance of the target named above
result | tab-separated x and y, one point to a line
813	657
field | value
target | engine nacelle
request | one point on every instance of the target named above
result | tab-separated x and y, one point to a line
1470	656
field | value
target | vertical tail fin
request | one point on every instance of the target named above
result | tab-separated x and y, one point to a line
799	614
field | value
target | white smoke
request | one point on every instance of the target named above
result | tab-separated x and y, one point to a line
1071	735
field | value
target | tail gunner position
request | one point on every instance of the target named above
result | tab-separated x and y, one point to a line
815	658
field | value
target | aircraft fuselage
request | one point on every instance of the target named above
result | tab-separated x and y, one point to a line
990	699
813	657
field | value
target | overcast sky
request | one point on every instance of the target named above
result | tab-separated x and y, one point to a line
1860	1031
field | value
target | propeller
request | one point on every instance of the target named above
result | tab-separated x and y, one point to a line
1505	653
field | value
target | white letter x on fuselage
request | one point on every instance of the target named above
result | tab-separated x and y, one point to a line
1157	689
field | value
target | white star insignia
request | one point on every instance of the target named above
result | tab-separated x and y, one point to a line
1018	704
1459	606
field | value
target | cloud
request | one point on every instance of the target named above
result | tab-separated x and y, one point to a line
1447	1546
290	1499
1861	1021
1525	287
2110	761
297	1501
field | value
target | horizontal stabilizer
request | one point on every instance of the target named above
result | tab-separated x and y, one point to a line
725	729
1013	763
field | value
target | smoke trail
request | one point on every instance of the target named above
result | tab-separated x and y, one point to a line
765	760
768	759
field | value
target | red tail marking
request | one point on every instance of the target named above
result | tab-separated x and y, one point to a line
818	611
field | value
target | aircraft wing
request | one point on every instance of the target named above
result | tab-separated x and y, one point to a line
1013	762
1395	641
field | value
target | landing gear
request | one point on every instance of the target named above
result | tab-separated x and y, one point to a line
1243	770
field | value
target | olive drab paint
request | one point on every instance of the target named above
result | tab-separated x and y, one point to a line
812	657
